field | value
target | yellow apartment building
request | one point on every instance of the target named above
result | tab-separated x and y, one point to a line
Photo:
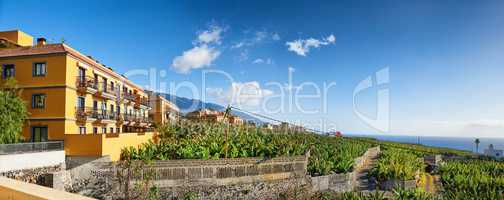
74	98
163	111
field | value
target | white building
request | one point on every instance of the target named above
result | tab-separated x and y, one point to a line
497	153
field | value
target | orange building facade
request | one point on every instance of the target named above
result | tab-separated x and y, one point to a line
74	98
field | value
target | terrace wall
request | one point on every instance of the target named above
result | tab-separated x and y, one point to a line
175	173
343	182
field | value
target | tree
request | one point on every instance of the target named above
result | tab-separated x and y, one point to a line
13	114
477	142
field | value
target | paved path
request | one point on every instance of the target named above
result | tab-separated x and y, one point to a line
363	180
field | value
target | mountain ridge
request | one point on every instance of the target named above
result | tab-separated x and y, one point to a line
187	105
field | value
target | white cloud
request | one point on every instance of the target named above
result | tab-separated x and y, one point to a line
275	36
241	94
331	38
260	35
302	47
237	45
195	58
258	61
202	54
244	55
268	61
210	36
256	38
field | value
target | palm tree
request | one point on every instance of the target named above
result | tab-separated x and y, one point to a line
477	142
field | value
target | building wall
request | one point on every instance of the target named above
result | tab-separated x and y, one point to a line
30	160
60	87
18	37
105	144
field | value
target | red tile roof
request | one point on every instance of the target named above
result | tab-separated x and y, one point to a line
61	48
33	50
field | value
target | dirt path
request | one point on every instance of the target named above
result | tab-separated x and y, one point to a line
364	182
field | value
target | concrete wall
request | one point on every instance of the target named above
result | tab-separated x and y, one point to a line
31	160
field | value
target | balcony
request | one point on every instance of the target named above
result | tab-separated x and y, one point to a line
129	98
106	117
143	121
105	93
86	114
86	85
119	118
129	120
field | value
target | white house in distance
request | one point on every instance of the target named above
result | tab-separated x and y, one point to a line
497	153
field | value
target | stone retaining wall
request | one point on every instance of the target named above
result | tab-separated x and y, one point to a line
342	182
34	175
174	173
82	170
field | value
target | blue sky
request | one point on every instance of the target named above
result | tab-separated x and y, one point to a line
444	58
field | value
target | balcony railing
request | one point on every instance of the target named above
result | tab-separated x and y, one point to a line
86	112
143	120
144	101
94	113
30	147
130	97
86	82
128	117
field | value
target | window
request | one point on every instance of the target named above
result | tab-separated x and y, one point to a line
95	130
39	134
95	81
111	109
112	86
39	69
104	130
38	100
82	73
118	130
95	105
8	71
104	84
111	130
81	102
82	130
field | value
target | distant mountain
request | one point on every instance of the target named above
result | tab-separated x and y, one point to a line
188	105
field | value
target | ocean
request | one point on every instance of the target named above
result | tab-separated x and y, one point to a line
461	143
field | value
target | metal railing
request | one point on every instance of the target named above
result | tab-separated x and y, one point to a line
90	112
31	147
85	81
144	101
131	97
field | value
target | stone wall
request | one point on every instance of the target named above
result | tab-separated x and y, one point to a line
174	173
81	171
34	175
342	182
